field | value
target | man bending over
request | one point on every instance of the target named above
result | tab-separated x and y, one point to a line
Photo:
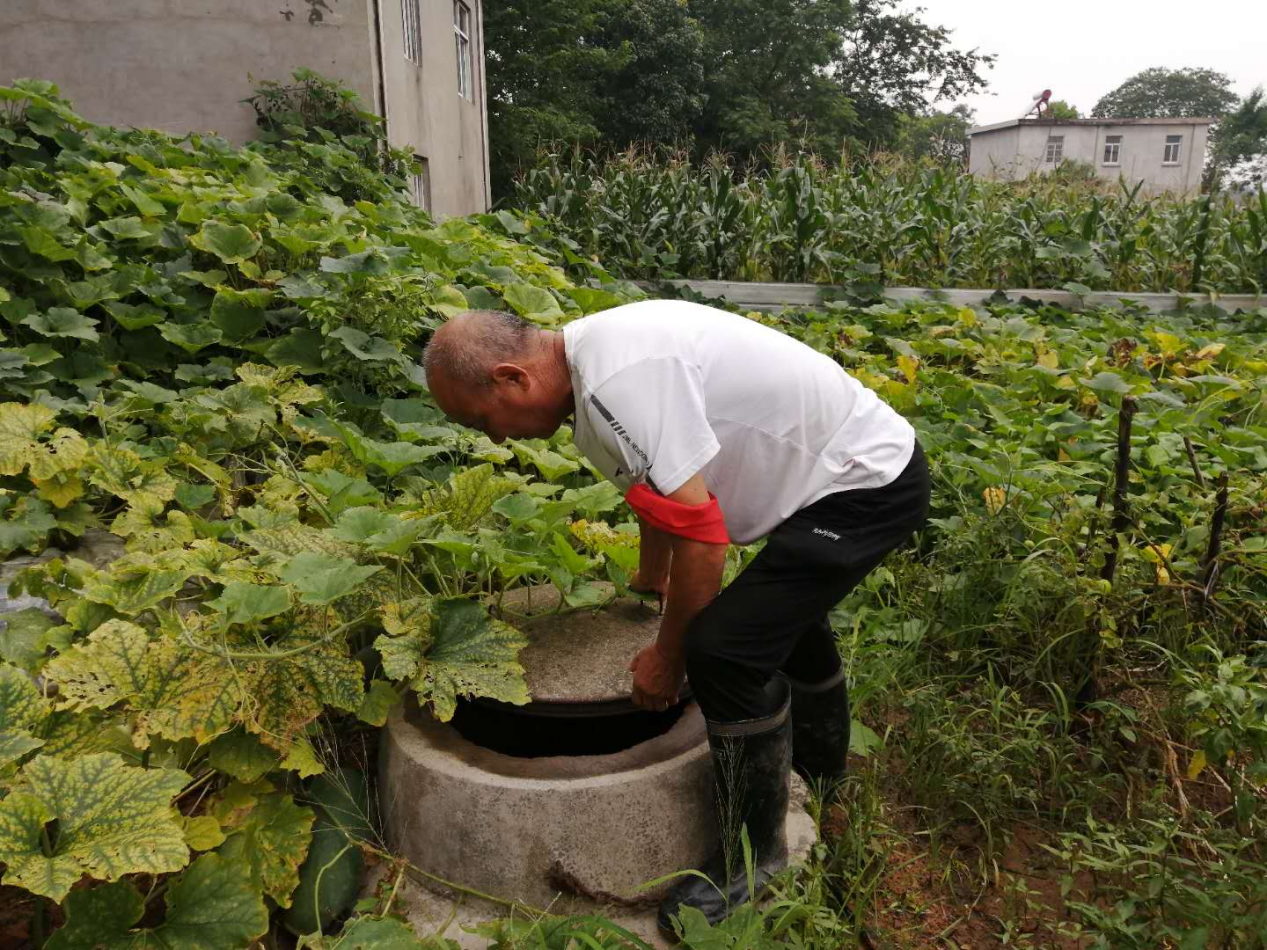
718	429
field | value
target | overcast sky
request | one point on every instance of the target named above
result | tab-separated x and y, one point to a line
1081	49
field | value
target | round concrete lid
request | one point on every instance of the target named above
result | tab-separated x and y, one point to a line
582	656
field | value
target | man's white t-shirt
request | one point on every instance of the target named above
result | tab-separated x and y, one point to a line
667	388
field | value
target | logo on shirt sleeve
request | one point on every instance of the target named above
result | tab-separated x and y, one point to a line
624	437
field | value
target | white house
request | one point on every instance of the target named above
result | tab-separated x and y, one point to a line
1165	154
183	66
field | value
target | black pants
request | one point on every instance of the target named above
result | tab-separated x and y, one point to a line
774	616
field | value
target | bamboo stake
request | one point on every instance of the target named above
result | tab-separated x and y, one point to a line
1216	541
1192	460
1122	472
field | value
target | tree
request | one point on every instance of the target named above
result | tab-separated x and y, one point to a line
1239	144
541	76
890	63
1169	93
1242	134
1059	109
736	75
941	136
588	72
656	94
768	79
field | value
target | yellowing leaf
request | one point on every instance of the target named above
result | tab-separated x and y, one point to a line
133	592
22	713
1158	554
178	690
112	820
1197	764
60	490
203	833
20	426
302	758
271	836
288	694
967	316
378	702
463	652
173	690
66	451
1049	358
908	366
995	499
112	468
1167	343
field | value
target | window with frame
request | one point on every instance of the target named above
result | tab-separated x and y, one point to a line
1174	145
1055	149
420	184
462	38
412	17
1112	150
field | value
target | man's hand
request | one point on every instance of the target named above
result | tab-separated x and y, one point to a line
655	585
641	584
657	679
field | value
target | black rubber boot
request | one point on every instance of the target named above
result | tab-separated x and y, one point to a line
751	766
820	729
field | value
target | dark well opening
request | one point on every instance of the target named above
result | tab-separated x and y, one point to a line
553	729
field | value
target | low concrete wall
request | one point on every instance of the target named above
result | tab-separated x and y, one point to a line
772	296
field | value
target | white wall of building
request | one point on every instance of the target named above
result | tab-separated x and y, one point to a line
425	111
1013	150
182	66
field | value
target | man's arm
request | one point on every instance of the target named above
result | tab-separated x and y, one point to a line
694	579
655	554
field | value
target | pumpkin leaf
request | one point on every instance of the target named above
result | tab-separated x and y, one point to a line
242	602
321	579
232	243
64	322
213	905
460	651
268	833
533	303
112	820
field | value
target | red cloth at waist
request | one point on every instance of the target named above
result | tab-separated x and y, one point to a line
697	522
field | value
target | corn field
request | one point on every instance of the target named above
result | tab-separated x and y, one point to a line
884	219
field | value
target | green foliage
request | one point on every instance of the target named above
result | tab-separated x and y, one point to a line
710	74
211	906
1161	883
940	136
1169	93
890	221
893	64
307	538
326	134
1059	109
452	649
762	89
1240	138
330	877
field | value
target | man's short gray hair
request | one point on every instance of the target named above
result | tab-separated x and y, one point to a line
474	342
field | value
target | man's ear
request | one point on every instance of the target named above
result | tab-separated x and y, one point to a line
511	373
